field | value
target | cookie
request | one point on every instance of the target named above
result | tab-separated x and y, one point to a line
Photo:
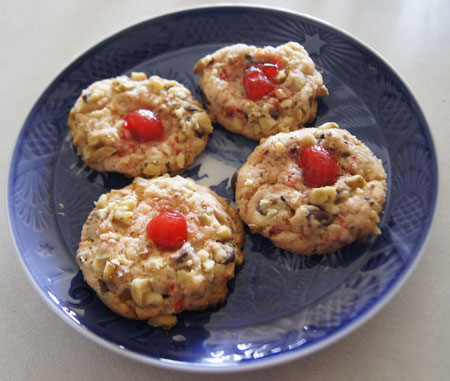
160	246
311	191
258	92
138	126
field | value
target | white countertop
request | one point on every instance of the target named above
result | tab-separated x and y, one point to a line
408	340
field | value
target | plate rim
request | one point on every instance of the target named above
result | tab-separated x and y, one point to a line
265	362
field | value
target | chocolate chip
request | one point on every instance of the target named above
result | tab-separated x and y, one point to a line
322	216
274	115
260	211
192	108
230	257
199	133
180	256
103	286
321	137
293	149
86	96
125	295
290	208
233	181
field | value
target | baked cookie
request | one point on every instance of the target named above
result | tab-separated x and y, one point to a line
258	92
160	246
311	191
138	126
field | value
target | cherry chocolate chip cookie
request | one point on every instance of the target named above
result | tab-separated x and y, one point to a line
138	126
311	191
160	246
258	92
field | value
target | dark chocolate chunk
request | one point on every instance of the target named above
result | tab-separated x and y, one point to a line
125	295
233	181
103	286
322	216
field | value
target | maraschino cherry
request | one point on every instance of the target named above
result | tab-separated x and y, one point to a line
144	125
318	165
258	80
168	230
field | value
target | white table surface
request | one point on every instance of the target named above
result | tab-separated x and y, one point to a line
408	340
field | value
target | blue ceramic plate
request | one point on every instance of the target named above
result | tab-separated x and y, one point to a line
281	306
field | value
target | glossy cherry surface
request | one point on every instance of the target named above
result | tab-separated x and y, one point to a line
318	165
144	125
168	230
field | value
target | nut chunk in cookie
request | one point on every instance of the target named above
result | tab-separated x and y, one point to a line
160	246
138	126
258	92
311	191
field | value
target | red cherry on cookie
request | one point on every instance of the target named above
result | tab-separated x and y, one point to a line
256	83
178	306
144	125
231	112
318	165
168	230
269	69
